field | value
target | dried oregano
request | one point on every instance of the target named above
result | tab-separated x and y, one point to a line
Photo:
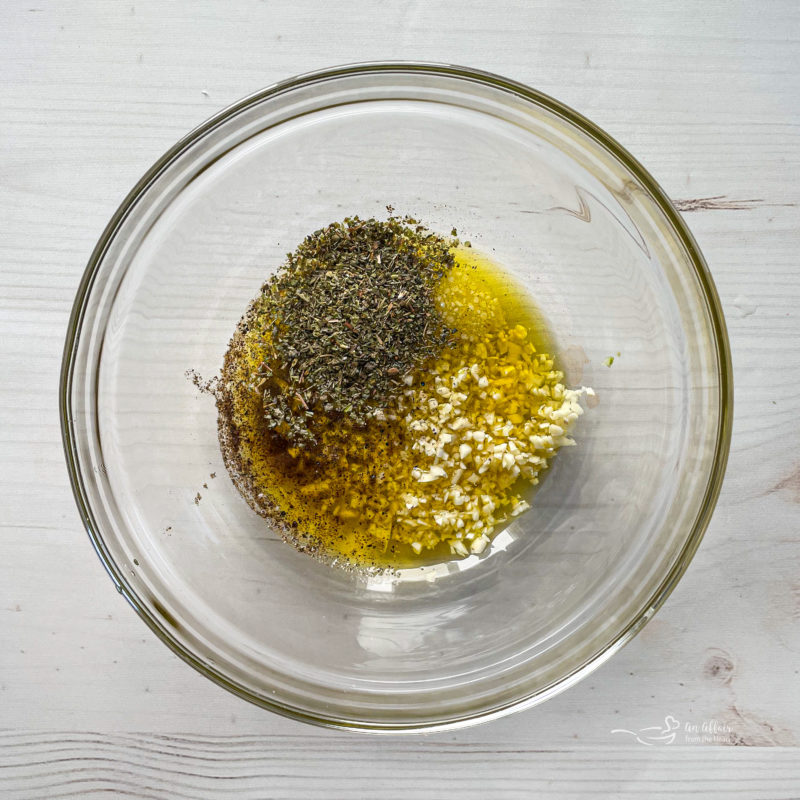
349	314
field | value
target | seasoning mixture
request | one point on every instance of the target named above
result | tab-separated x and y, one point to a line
388	397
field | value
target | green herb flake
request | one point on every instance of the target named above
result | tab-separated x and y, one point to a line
349	314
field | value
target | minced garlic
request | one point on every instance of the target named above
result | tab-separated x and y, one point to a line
488	414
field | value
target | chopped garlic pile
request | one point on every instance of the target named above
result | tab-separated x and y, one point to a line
487	413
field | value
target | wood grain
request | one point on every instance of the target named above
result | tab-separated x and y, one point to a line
65	764
704	94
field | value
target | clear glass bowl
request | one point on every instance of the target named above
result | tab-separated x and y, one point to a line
575	219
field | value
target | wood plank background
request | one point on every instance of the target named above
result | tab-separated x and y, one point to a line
706	94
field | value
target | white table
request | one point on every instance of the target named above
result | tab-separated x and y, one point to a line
706	94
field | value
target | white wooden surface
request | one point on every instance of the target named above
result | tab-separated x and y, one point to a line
706	94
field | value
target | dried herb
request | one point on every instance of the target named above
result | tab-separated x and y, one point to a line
349	315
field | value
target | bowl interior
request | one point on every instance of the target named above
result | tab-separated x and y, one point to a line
574	222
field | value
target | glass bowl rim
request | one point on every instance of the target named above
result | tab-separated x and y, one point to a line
679	229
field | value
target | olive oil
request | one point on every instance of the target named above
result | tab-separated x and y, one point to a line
342	500
479	272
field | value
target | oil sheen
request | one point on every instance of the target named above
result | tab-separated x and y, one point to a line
349	499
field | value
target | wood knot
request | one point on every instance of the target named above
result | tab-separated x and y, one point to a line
719	667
